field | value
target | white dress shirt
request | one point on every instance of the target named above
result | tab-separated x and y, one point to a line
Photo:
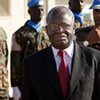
69	56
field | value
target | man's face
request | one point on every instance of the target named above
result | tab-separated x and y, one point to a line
36	13
77	5
96	15
60	31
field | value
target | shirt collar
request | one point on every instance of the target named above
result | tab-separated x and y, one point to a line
69	50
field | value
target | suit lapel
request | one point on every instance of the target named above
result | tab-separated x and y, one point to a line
77	68
51	71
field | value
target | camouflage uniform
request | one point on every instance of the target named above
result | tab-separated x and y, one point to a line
82	35
30	42
4	95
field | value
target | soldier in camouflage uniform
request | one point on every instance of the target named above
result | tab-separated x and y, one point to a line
76	6
4	84
29	39
90	36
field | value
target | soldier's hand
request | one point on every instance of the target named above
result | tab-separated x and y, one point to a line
16	93
94	36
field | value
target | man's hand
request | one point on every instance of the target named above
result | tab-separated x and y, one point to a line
16	93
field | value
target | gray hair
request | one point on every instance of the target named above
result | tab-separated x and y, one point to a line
57	12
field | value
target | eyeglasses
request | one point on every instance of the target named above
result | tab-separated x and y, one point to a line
55	27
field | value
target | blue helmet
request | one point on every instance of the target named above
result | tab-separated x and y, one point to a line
33	3
95	5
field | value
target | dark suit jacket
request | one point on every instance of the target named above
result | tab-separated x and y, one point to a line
41	82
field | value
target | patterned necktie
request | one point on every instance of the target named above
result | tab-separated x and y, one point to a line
64	73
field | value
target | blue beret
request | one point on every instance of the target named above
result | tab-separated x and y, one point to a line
32	3
95	5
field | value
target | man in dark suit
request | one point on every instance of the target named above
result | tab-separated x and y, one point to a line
65	70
